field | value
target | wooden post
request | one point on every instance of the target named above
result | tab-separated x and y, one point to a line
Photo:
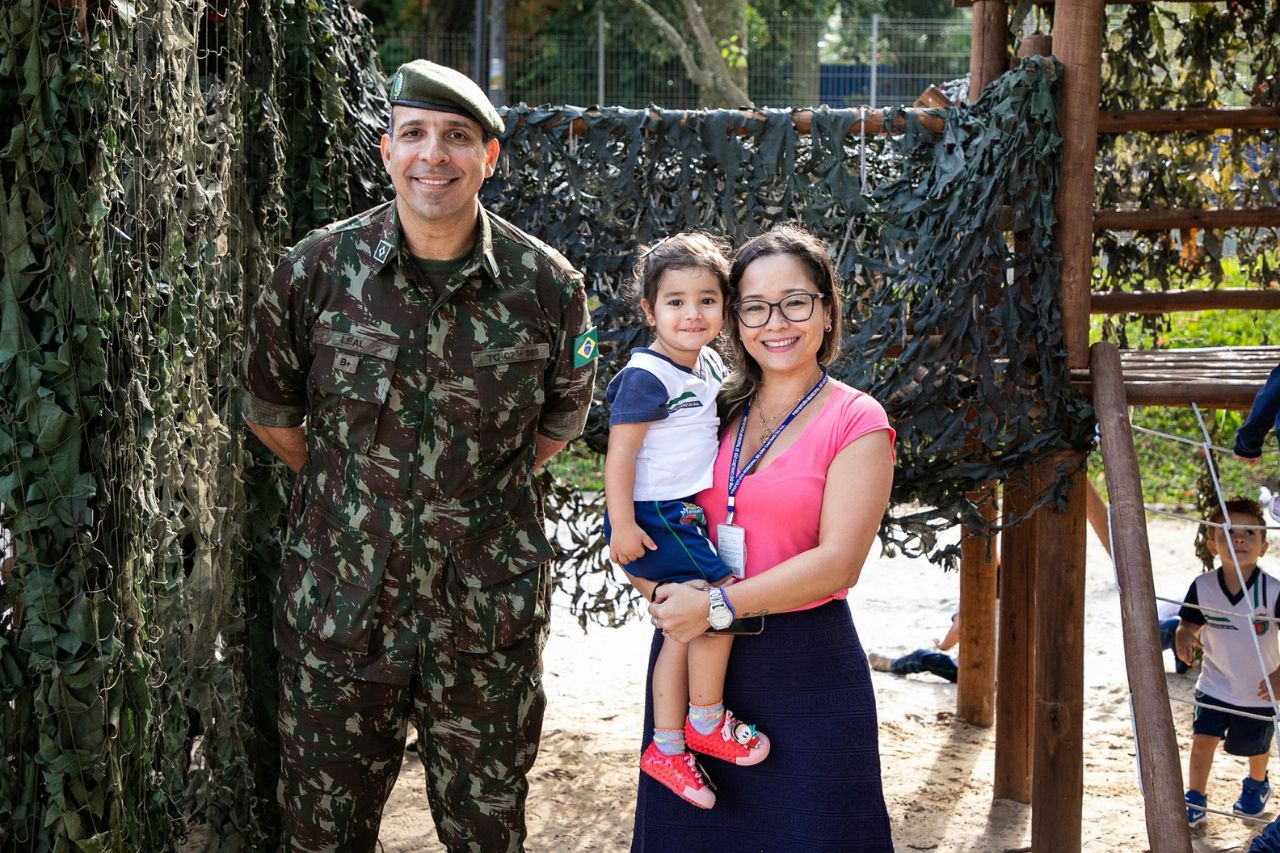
975	693
1017	670
1057	787
1058	775
1077	43
976	688
988	48
1019	548
1158	763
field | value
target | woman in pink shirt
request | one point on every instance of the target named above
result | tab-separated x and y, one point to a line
801	482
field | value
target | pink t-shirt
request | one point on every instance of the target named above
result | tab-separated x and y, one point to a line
781	505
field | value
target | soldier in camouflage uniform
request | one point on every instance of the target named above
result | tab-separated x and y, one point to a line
415	364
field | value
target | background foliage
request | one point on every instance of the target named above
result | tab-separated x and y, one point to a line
1175	56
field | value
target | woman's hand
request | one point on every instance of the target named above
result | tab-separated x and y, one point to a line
680	610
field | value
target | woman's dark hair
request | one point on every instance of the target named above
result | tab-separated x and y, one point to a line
786	239
686	250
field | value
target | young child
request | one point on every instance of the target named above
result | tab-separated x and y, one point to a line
934	661
1230	672
663	436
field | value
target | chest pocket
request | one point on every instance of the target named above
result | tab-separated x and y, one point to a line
510	378
351	376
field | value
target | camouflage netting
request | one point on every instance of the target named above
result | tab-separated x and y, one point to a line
161	155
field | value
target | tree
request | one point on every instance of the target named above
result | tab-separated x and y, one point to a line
717	58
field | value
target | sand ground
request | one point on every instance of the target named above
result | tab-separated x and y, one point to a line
937	770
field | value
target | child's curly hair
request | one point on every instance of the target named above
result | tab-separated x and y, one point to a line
1247	506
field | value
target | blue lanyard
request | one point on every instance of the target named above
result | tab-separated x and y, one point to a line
735	476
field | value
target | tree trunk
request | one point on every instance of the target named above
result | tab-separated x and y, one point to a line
805	66
727	20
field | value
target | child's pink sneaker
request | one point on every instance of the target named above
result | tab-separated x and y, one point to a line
735	741
680	773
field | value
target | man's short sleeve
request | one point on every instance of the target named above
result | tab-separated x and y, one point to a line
572	374
1191	615
277	350
636	396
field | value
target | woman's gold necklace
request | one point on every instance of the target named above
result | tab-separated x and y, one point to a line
766	423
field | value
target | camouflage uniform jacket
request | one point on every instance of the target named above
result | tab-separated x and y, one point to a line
420	419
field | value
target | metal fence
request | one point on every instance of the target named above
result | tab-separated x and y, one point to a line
791	63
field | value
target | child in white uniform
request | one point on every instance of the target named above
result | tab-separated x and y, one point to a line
1230	673
663	437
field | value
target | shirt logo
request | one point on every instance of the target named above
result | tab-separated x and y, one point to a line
687	400
380	253
585	348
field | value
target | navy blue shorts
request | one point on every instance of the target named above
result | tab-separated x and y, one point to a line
679	529
1243	735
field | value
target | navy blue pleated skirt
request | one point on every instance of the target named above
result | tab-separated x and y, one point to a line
806	684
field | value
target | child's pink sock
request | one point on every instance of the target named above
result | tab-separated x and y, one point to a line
669	741
705	719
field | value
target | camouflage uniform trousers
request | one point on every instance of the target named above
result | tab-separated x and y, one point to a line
478	716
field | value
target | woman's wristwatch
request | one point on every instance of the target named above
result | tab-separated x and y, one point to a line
721	613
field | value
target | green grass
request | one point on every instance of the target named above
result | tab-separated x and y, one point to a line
580	466
1170	469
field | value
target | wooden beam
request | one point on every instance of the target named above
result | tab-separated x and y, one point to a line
1165	301
1214	377
1162	121
1016	647
929	119
976	687
1235	396
1158	219
1159	768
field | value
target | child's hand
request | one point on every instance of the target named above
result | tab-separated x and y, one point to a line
1274	677
1248	460
1185	643
628	543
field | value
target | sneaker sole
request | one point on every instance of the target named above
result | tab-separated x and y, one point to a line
1194	823
703	799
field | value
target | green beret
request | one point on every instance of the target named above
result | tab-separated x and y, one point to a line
428	86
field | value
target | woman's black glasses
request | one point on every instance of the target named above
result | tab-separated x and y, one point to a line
797	307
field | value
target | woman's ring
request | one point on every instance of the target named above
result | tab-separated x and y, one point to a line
654	620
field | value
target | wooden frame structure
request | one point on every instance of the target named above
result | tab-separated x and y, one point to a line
1040	659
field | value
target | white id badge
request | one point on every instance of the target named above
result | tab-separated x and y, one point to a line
731	543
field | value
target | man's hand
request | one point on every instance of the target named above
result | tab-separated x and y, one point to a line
1185	643
289	443
628	543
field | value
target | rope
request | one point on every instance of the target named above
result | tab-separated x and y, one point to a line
1205	446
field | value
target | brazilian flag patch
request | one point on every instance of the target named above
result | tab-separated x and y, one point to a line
585	348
